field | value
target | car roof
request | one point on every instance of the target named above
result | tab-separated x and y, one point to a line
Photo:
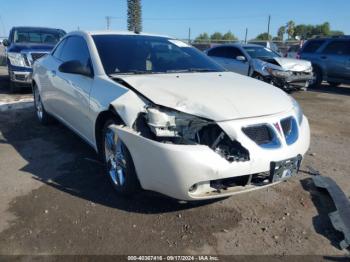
35	27
112	32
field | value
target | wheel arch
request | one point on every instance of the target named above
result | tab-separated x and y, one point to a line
100	121
33	84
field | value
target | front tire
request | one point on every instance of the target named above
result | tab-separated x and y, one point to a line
258	77
119	166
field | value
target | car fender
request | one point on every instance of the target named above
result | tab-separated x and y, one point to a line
107	93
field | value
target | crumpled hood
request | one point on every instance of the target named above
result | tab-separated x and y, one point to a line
295	65
216	96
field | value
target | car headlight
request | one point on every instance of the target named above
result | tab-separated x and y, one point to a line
278	73
17	59
298	110
168	123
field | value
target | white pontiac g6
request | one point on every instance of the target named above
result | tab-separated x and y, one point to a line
165	117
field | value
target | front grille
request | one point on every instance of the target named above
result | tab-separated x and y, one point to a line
20	77
261	134
36	56
290	130
286	126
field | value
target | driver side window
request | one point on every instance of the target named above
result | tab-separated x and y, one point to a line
234	52
58	51
75	49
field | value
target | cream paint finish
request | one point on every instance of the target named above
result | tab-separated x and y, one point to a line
229	99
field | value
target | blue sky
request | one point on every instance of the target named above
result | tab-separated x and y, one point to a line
174	17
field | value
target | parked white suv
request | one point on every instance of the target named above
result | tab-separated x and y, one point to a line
164	117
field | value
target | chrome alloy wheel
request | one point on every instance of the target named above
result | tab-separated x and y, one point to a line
38	104
115	157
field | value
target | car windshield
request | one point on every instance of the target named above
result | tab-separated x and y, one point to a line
137	54
260	52
39	36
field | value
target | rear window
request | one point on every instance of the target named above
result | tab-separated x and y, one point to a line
312	46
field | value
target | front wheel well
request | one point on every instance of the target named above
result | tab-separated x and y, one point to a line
33	84
101	120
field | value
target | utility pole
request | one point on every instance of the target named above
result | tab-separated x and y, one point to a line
268	27
189	35
3	26
246	35
108	20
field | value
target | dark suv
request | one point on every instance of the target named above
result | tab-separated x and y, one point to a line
330	58
24	46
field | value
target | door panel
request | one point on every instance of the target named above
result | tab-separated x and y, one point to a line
226	56
237	66
335	57
73	92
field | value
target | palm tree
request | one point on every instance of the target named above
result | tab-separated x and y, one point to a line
134	15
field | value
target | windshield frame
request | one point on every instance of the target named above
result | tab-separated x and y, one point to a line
57	33
261	47
202	63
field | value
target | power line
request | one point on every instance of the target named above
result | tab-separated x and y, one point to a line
192	18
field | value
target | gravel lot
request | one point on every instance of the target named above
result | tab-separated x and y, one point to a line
55	200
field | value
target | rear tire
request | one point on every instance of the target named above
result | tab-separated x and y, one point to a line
335	84
318	77
119	166
43	117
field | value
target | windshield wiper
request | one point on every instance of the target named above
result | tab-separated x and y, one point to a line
202	70
134	72
192	70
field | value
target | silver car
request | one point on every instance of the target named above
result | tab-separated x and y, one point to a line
264	64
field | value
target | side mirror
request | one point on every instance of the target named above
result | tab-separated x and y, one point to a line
241	58
5	42
75	67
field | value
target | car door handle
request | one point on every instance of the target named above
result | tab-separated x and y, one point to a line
323	57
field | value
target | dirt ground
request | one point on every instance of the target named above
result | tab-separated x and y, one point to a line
55	200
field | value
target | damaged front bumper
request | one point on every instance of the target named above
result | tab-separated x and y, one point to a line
296	81
195	172
20	75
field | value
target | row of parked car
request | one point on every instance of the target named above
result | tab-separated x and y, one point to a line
319	59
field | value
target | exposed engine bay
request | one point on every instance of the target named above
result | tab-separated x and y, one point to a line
170	126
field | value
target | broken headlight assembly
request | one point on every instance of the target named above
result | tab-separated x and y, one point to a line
167	123
278	73
171	126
